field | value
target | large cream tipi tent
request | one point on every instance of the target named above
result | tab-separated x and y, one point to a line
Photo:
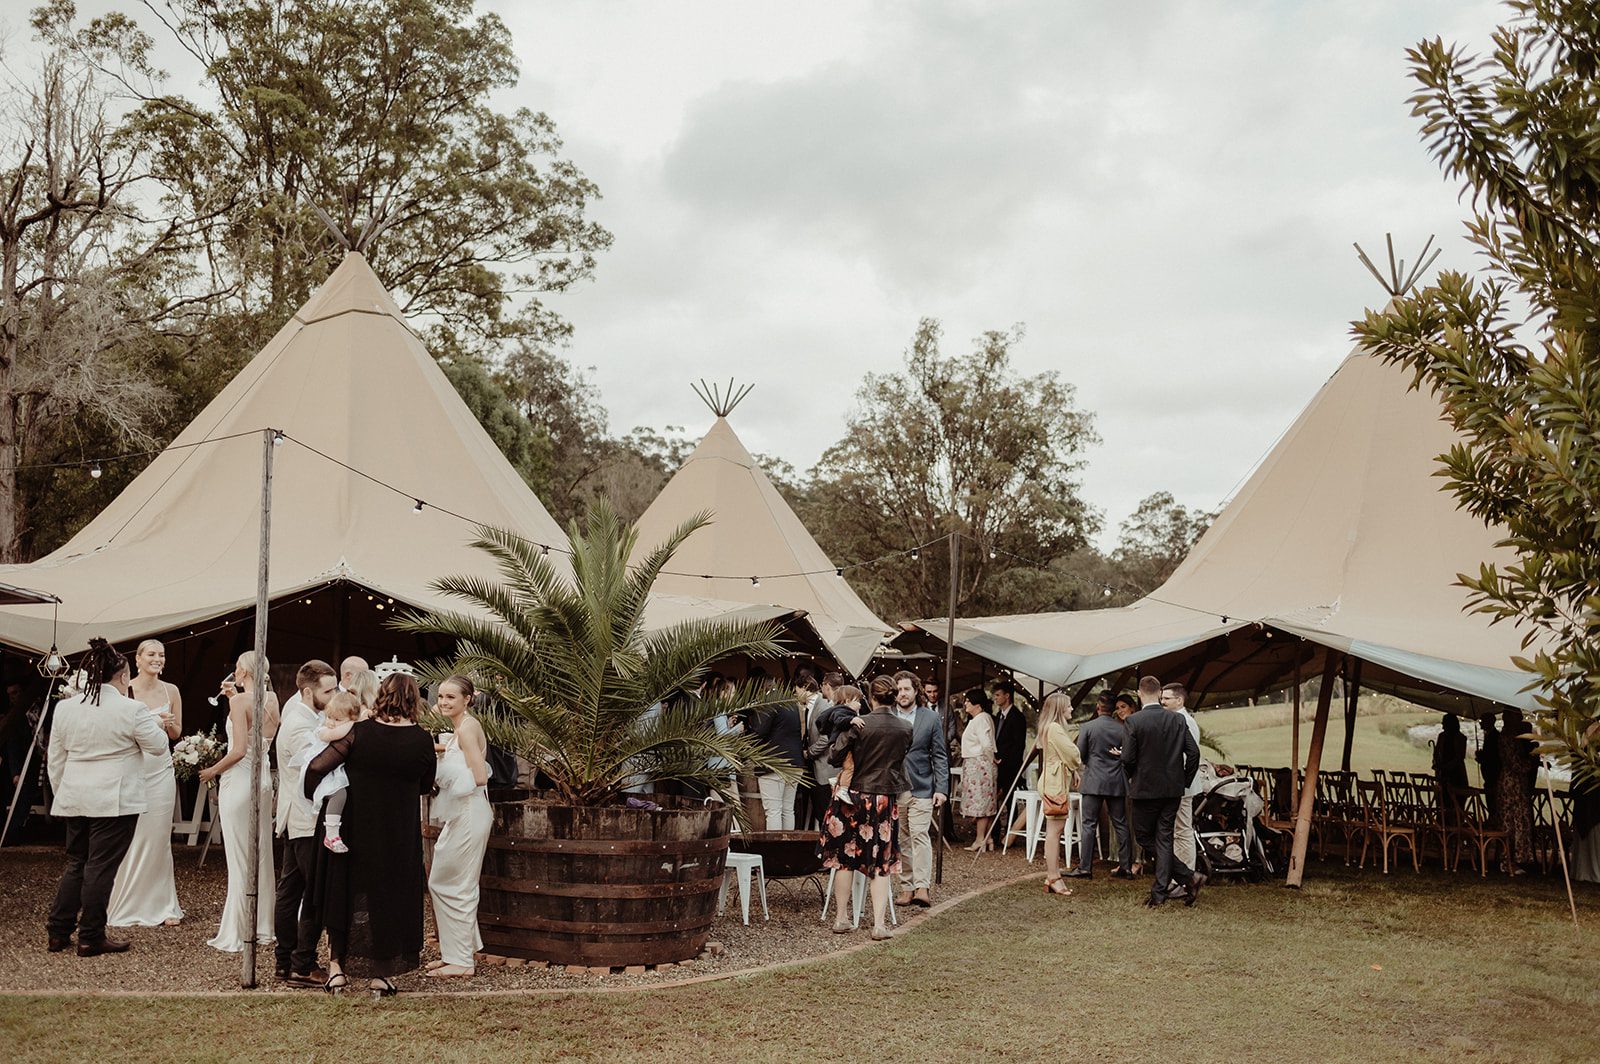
755	535
373	430
1344	537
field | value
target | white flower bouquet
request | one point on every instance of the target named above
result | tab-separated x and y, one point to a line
194	753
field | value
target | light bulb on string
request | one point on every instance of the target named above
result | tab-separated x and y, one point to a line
277	437
993	554
95	471
755	581
839	572
916	552
544	549
417	509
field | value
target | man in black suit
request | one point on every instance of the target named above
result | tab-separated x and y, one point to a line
1105	787
1161	758
1010	738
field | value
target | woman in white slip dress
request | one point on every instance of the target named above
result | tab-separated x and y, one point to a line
145	894
236	770
463	809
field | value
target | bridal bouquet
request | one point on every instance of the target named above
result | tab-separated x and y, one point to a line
194	753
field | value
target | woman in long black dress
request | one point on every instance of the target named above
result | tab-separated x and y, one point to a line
370	899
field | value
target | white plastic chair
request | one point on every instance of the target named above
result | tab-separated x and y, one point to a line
740	866
858	896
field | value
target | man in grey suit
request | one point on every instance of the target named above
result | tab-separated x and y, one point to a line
1105	786
927	782
1161	759
96	767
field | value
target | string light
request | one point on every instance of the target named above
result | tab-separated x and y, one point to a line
417	509
277	437
755	581
544	550
95	471
916	552
993	554
839	572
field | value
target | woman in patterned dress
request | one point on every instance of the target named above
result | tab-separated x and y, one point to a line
861	832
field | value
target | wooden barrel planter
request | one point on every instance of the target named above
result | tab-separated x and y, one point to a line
601	886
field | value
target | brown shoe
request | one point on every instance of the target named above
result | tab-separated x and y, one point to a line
315	979
922	898
105	945
903	898
56	945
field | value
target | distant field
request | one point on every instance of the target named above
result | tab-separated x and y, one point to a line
1263	735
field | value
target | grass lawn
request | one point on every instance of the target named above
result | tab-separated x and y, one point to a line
1352	968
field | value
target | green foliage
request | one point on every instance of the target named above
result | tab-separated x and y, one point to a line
1154	541
1521	129
599	702
955	443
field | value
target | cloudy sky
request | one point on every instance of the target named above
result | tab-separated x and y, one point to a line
1164	194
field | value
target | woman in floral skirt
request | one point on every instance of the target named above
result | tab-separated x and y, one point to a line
979	787
861	832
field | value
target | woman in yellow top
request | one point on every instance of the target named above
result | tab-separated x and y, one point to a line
1060	763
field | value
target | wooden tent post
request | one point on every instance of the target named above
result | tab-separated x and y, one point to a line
252	845
1308	792
1294	731
949	688
1352	696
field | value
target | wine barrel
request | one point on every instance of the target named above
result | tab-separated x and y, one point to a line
602	886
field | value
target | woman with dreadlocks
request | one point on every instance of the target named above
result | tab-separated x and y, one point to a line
97	749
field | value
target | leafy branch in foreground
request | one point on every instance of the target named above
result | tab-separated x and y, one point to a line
1519	128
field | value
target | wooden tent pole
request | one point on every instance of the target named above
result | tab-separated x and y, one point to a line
1352	696
1308	792
949	686
1294	763
1561	847
252	847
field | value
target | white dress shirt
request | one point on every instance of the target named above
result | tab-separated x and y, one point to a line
297	728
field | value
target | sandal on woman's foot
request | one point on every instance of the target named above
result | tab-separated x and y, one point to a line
1057	886
451	971
843	927
435	964
382	988
879	934
336	983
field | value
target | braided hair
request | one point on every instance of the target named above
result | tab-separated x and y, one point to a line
101	664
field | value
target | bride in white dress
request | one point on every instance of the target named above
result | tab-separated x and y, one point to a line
463	808
145	894
235	770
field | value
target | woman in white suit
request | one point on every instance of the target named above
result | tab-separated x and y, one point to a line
98	744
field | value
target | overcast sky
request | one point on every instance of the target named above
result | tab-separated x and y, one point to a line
1164	194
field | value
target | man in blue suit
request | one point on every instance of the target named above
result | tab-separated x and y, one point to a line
927	786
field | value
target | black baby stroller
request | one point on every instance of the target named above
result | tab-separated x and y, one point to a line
1227	832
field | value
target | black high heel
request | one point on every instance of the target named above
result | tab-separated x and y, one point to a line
388	989
336	984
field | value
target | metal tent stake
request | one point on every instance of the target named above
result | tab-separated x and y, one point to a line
252	847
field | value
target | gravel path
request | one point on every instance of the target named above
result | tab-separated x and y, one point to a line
177	959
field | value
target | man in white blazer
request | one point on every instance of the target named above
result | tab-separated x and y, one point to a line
97	745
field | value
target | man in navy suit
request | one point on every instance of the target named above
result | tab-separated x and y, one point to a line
927	786
1161	759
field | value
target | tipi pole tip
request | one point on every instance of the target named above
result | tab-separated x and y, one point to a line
1400	280
721	399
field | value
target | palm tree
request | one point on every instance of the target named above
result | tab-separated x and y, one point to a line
596	701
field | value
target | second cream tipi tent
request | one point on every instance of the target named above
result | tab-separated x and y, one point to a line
755	550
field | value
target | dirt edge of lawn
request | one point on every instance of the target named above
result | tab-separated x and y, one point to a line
910	927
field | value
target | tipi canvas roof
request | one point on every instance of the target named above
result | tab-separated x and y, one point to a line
345	377
1344	536
755	533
